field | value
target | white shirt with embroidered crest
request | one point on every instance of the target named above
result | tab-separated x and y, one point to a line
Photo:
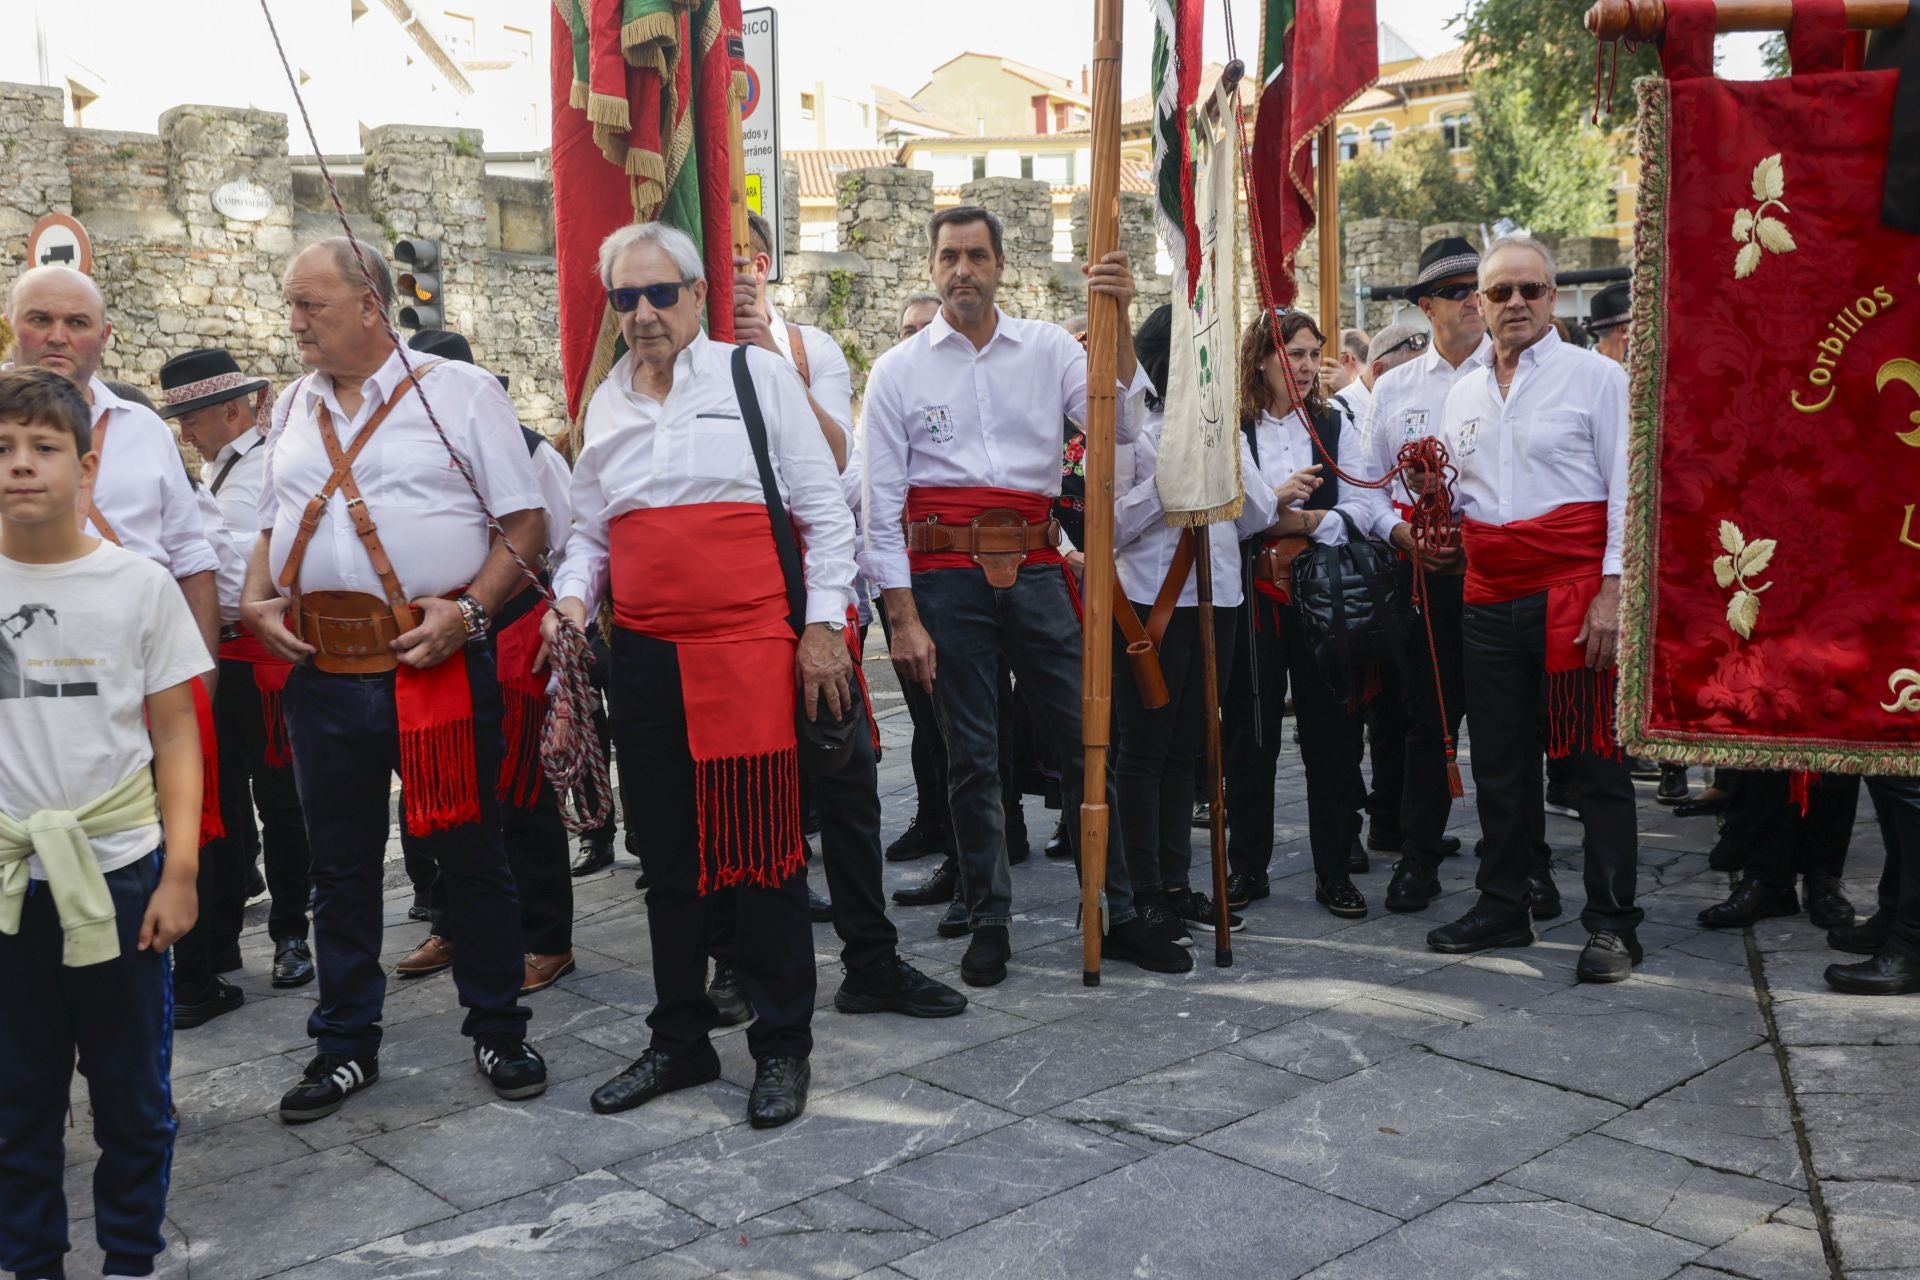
642	454
1409	403
1284	448
142	488
432	529
1559	437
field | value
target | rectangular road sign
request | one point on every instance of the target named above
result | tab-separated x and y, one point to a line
760	120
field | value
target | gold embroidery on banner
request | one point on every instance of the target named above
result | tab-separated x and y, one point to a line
1732	570
1905	697
1906	371
1757	233
1906	529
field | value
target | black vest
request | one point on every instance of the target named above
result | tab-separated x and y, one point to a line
1326	426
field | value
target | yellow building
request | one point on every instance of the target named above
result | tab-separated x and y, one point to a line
993	96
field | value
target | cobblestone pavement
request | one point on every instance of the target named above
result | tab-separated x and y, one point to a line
1341	1103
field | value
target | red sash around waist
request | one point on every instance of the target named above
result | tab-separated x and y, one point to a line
523	702
706	578
959	506
270	679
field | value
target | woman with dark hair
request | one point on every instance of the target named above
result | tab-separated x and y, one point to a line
1279	393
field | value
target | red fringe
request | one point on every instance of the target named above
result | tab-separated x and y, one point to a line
270	678
1455	787
435	709
749	811
523	694
1800	789
1580	713
211	825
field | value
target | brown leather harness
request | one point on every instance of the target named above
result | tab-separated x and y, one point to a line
92	510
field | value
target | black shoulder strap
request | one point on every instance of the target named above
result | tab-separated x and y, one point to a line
783	539
532	438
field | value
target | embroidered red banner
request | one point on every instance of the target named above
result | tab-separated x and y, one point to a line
1771	603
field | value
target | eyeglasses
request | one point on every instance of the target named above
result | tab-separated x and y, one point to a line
659	296
1418	341
1452	292
1532	291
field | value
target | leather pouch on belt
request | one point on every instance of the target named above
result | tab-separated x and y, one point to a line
350	631
1000	545
1274	561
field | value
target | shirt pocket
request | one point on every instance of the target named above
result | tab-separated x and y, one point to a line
1563	435
419	473
717	448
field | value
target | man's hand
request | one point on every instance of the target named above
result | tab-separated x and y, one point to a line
1299	486
574	610
911	647
1600	633
826	671
171	911
1401	539
1076	561
1445	559
441	634
267	619
1113	277
750	327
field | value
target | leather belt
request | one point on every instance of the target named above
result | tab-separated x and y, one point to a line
350	631
998	540
230	632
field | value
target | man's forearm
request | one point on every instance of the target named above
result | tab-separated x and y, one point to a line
500	579
901	609
259	580
203	601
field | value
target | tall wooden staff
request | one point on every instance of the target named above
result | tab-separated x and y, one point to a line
1328	218
1103	315
736	151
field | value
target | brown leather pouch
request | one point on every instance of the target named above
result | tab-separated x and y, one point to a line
1274	561
350	631
997	540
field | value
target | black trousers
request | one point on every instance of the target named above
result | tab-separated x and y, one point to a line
1387	724
1153	768
1780	840
774	957
1425	800
1505	648
1278	660
1896	803
537	853
929	751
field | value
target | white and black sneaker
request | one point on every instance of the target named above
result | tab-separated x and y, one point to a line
329	1079
1197	910
513	1067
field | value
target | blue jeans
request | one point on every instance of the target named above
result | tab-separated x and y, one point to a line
346	749
1033	624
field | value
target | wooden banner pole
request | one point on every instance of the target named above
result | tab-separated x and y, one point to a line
1328	220
1216	789
1644	20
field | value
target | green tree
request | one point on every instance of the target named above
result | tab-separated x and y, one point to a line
1545	47
1546	174
1773	56
1414	178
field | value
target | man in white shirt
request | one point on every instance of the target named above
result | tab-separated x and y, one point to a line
1345	378
387	635
1538	431
962	451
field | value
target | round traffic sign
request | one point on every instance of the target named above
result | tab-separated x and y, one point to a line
58	238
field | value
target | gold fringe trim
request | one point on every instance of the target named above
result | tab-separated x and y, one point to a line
648	196
739	85
605	109
642	163
648	41
577	95
1212	515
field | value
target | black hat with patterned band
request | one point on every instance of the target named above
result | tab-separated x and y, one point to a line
1612	306
196	379
1444	259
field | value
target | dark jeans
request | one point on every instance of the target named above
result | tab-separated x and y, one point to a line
1896	803
1506	674
537	854
118	1017
1782	842
1277	659
1154	756
1426	801
929	752
1034	625
774	958
346	749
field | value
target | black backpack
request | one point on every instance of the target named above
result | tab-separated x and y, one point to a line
1349	604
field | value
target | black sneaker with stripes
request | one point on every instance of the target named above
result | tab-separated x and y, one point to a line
513	1067
330	1077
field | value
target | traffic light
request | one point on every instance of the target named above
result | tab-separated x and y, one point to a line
418	284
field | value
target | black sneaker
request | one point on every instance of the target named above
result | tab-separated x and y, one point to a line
1673	784
898	987
1165	923
222	997
1481	930
1414	885
1202	819
939	887
1543	895
985	964
1198	911
1244	887
917	841
1560	800
1609	957
1643	770
1827	905
1138	942
1340	898
819	907
1057	845
328	1081
724	991
513	1067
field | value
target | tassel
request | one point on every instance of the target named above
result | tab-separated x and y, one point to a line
270	678
1455	787
1800	789
435	708
211	826
749	820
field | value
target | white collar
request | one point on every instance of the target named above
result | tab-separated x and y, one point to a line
940	330
1540	350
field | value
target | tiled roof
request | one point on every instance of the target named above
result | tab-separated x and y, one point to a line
901	107
1451	65
820	171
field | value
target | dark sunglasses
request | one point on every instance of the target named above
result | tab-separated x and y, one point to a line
659	296
1418	341
1532	291
1452	292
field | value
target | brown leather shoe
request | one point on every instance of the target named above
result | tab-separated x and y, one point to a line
432	956
544	971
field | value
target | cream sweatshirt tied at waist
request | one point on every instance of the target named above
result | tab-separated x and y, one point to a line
62	840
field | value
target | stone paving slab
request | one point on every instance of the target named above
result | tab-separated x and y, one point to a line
1526	1240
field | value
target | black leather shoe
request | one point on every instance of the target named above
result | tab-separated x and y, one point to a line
938	888
917	841
595	855
1340	898
1382	839
724	991
1199	911
1244	887
958	921
1358	864
985	964
329	1079
1481	930
1019	847
819	907
1543	895
1449	846
898	987
292	963
1057	845
1701	806
1202	815
1750	903
513	1067
222	997
640	881
1414	886
653	1073
1608	957
1559	799
1863	937
1164	922
779	1092
1673	784
1827	905
1893	972
1137	942
418	911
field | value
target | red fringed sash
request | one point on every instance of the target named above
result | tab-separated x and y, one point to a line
706	579
523	693
437	773
211	825
270	678
959	506
1559	553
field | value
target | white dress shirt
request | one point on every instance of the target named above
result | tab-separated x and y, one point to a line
830	382
230	547
642	454
940	414
1352	403
1560	436
237	502
1285	447
429	523
556	484
1409	403
1144	542
142	487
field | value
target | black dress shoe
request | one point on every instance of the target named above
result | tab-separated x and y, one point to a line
1414	885
1202	815
653	1073
595	855
221	997
938	888
640	881
724	991
1673	784
1340	898
1449	846
1701	806
1863	937
985	964
1358	864
1750	903
292	963
1543	895
1481	930
418	911
1057	845
1244	887
1608	957
1138	942
1019	847
898	987
329	1080
779	1092
513	1067
958	921
819	907
917	841
1893	972
1827	905
1382	839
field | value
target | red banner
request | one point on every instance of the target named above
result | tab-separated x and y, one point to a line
1772	590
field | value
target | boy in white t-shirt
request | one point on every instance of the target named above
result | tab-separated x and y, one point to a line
99	753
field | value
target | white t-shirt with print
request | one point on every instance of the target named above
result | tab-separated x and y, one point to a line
82	644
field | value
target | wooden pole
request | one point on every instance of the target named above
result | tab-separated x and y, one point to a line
1328	218
737	157
1103	319
1216	789
1644	20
